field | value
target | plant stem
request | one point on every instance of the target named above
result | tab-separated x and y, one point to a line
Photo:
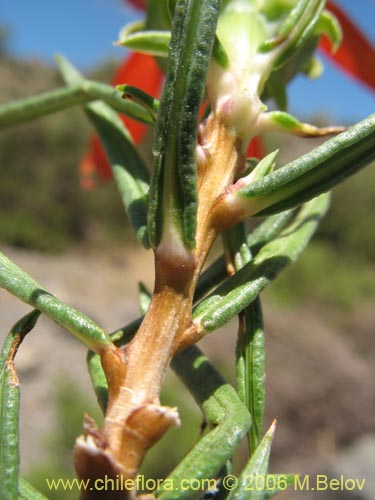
135	419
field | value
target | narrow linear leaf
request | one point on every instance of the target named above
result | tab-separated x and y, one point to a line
265	166
330	26
159	14
255	470
276	483
155	43
297	31
264	233
294	16
9	455
158	17
219	54
226	415
28	492
238	291
9	407
134	94
251	369
313	173
17	282
210	278
284	122
123	335
109	95
98	379
250	343
128	168
173	198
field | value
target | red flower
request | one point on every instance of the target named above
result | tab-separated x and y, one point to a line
355	57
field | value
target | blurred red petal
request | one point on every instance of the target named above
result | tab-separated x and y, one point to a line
94	164
256	148
356	55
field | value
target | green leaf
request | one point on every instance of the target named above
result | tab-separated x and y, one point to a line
9	407
251	369
98	379
313	173
238	291
250	343
134	94
255	470
17	282
295	31
28	492
219	54
173	197
159	14
269	229
330	26
236	251
128	169
226	416
155	43
284	122
303	31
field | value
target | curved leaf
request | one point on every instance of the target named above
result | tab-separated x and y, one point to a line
251	369
9	407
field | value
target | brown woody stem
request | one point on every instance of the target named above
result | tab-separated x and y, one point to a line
134	418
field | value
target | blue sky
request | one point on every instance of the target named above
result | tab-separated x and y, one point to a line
83	30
